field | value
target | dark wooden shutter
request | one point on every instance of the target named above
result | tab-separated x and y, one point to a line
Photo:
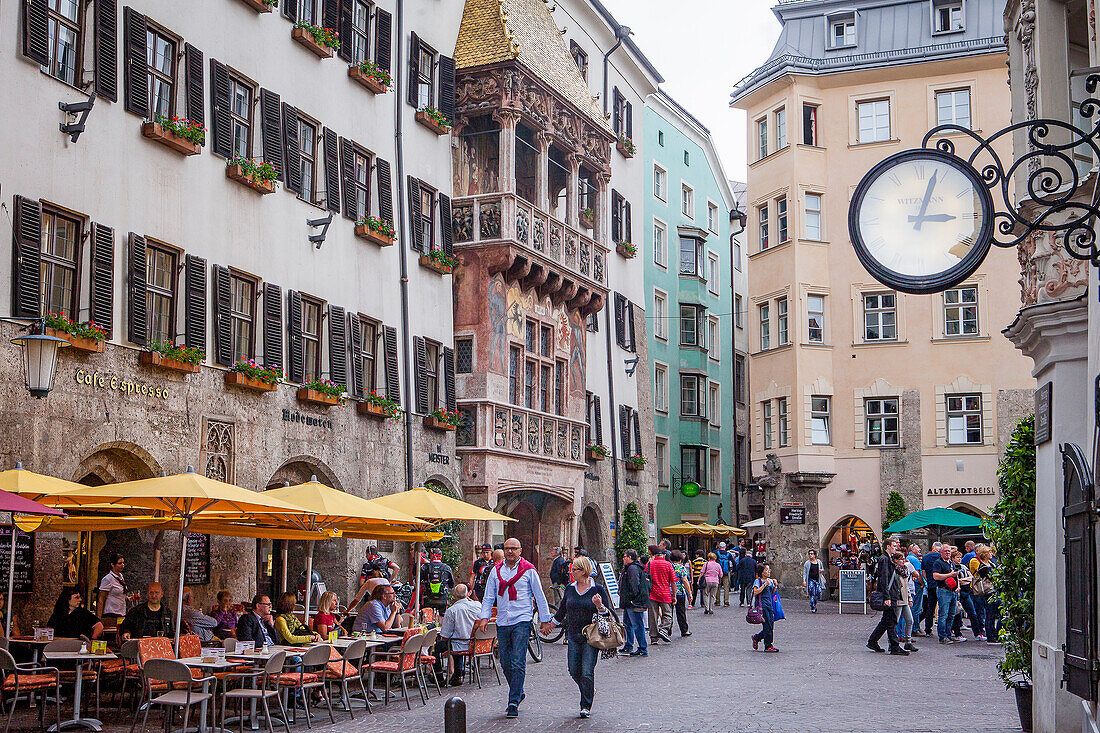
414	66
628	320
445	233
27	259
449	378
598	419
106	49
194	304
221	132
393	378
629	120
447	86
423	399
338	345
292	148
1079	666
271	125
627	233
330	18
137	324
290	10
295	358
101	298
624	429
223	320
616	122
196	92
620	319
637	433
347	173
135	63
36	31
383	23
273	325
414	215
356	334
385	190
343	27
616	214
332	170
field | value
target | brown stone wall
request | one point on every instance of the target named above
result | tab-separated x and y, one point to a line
901	469
1012	406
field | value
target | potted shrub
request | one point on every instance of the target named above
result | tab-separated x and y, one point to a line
247	374
371	76
439	261
1011	527
588	218
84	336
375	230
626	249
625	146
434	120
320	392
321	41
167	355
635	462
596	452
250	172
379	406
262	6
442	419
178	133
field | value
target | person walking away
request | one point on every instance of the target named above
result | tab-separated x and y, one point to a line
886	581
683	590
697	586
436	581
585	601
662	580
712	574
559	574
515	588
969	552
763	592
944	576
746	576
725	561
928	613
456	630
813	577
634	589
919	583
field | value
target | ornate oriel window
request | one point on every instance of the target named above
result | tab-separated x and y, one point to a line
218	449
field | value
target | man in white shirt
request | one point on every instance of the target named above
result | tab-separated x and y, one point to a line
515	588
457	627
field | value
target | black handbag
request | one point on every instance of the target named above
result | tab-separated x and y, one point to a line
877	600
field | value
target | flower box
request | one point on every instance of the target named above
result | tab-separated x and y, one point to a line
169	139
259	5
312	396
434	423
364	232
587	219
428	262
633	467
237	379
371	410
623	147
625	251
160	361
361	78
594	455
80	343
236	172
304	37
425	119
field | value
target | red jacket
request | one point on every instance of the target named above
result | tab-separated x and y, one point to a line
663	576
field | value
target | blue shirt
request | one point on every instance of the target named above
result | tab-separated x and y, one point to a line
967	558
528	593
371	616
724	561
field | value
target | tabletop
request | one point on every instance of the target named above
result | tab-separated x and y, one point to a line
63	656
32	640
208	662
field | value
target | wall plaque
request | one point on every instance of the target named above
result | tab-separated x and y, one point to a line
792	514
1044	413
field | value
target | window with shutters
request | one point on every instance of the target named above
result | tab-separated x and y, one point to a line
464	354
621	115
361	182
360	30
693	465
580	58
427	220
307	160
624	323
160	59
692	325
240	114
367	356
431	374
425	77
160	291
306	11
515	362
61	239
242	315
311	336
66	50
693	388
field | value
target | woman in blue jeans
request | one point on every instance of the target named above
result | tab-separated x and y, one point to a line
763	588
583	601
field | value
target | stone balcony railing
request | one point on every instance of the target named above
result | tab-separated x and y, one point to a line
507	219
508	429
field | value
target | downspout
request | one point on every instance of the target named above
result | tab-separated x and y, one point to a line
403	240
735	499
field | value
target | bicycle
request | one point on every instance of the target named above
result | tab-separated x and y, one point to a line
555	634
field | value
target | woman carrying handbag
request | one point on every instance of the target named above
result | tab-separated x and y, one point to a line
590	629
763	591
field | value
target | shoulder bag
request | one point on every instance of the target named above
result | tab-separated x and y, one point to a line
616	633
755	614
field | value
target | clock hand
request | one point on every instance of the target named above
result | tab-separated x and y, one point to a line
919	218
935	217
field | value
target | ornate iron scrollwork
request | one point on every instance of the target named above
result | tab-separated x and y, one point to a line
1053	178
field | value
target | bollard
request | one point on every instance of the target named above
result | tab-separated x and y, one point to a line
454	715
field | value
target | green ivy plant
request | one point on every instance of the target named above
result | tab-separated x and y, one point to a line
1011	527
895	509
631	534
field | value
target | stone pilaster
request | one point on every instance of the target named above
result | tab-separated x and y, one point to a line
900	469
788	543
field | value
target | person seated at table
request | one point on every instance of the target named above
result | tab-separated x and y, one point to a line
456	629
200	624
256	625
223	613
324	620
70	620
290	628
14	619
151	618
381	612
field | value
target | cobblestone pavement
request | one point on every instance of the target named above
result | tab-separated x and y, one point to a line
824	679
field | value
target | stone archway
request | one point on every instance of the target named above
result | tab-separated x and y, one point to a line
590	536
846	532
300	469
115	462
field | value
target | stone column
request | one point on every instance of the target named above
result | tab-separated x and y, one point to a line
788	543
602	231
507	148
542	175
572	193
901	469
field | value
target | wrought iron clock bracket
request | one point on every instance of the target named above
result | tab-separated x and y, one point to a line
1053	182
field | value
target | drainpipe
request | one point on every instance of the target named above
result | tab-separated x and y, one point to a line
735	500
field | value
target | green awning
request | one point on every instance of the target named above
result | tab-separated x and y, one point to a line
938	517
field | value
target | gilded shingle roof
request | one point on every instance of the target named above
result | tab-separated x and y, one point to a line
523	30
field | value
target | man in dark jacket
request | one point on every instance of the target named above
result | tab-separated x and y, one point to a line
634	600
256	624
746	575
559	571
886	583
151	618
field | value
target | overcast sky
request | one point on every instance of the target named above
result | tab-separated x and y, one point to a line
701	48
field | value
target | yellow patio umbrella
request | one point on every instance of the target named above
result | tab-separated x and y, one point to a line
726	530
687	528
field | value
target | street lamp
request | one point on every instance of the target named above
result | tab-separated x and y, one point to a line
39	360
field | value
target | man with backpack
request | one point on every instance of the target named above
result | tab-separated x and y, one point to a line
726	561
436	581
746	575
634	587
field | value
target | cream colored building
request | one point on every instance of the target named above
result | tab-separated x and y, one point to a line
861	391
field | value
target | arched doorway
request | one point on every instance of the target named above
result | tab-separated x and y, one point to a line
960	535
591	538
526	530
843	545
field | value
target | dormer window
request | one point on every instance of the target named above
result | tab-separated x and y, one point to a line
947	16
842	30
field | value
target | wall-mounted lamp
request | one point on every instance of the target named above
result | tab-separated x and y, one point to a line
39	353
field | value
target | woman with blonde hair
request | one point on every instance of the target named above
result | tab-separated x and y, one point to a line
324	620
986	606
584	602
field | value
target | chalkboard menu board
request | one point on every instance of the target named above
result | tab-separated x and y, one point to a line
853	588
792	514
197	569
24	560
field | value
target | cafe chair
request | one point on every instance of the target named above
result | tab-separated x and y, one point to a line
346	668
428	659
180	692
258	689
481	647
311	675
190	646
401	664
68	676
131	667
28	680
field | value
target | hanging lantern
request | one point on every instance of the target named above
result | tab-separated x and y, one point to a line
39	361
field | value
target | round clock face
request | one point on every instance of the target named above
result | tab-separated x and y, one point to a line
921	221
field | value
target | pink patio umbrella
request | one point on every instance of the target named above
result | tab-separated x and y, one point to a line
16	504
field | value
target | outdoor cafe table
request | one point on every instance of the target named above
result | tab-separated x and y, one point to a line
36	645
77	721
214	664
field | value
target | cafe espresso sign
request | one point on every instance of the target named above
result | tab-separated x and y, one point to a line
123	385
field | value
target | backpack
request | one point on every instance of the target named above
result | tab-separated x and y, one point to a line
435	580
645	585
